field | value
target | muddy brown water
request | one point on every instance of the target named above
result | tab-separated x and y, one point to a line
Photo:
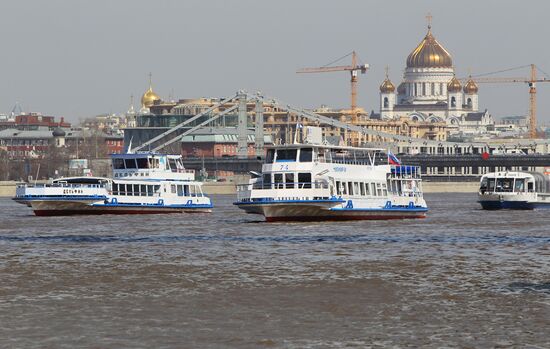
462	277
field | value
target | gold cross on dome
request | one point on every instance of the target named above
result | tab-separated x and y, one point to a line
429	19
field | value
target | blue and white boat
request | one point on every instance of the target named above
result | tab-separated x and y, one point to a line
514	190
142	183
313	181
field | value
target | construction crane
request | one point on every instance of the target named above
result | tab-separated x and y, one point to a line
353	69
531	81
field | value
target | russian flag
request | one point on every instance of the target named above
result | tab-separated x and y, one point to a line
392	159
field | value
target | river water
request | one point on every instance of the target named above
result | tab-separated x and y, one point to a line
462	277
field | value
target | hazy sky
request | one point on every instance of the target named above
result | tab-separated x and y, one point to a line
80	58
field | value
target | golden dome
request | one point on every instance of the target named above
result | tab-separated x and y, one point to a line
149	98
470	87
387	86
454	85
429	54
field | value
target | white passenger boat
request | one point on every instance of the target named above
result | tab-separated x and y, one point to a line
312	181
514	190
142	184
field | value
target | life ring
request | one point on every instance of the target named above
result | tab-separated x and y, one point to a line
161	202
114	201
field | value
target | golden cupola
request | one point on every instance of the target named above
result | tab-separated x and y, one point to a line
429	54
149	97
454	85
471	87
387	86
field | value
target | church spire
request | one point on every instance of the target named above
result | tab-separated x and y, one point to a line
429	19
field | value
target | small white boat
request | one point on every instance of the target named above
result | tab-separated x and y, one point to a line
312	181
142	183
514	190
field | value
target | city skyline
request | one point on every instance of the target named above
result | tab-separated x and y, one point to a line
82	59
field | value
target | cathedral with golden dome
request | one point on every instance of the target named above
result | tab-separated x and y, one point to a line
149	97
431	92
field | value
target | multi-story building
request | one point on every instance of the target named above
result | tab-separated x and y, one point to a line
34	144
33	121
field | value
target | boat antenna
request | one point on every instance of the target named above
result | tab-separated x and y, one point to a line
129	151
37	172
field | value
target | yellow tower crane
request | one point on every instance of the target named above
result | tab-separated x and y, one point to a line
531	81
354	68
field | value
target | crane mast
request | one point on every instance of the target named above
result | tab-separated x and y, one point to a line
354	68
533	103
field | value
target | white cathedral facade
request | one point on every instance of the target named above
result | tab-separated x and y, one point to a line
431	92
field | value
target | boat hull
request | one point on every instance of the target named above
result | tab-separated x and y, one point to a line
329	212
69	208
512	205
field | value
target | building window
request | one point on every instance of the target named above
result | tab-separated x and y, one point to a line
469	102
453	102
386	103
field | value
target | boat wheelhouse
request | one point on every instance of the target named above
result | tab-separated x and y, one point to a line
316	181
142	183
514	190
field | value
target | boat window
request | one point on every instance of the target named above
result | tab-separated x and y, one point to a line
180	190
491	184
504	184
118	164
289	179
350	188
121	189
154	163
149	190
115	189
338	187
286	155
173	188
156	188
378	189
483	185
385	189
130	163
186	190
520	185
278	180
306	155
173	166
267	180
305	180
270	156
142	163
136	189
530	187
356	188
373	189
344	188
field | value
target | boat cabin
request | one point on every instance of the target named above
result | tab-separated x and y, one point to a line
150	165
514	182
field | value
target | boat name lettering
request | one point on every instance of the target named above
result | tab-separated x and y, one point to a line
339	169
72	191
284	168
